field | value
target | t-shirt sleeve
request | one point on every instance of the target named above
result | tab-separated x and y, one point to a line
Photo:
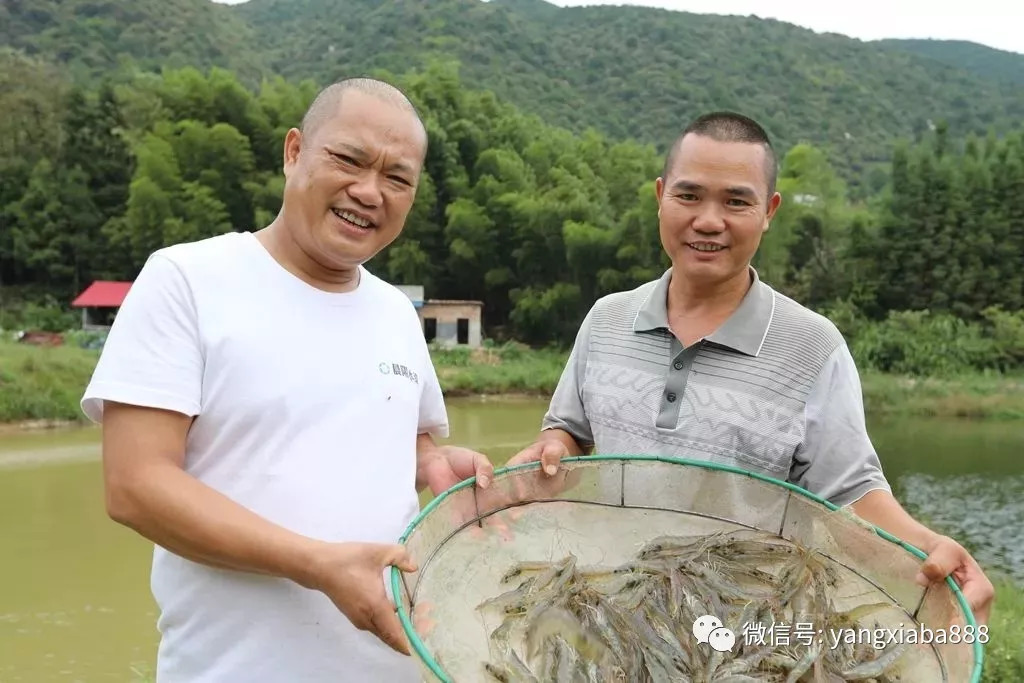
152	356
837	460
566	410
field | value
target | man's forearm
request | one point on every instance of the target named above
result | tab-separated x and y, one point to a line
884	511
428	455
178	512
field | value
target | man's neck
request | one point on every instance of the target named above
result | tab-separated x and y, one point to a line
277	240
696	310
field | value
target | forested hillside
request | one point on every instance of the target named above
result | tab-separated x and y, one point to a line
983	61
91	38
628	72
639	72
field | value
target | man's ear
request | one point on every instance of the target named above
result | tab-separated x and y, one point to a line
292	147
773	206
659	189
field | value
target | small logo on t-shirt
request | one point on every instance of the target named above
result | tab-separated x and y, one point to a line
398	369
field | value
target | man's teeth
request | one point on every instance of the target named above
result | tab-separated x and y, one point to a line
352	218
707	247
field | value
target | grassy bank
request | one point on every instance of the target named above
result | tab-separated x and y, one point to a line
41	383
970	396
1004	653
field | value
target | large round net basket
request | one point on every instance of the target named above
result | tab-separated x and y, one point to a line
646	568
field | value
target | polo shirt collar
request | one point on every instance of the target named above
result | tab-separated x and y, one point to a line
743	331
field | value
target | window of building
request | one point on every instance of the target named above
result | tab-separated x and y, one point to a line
462	330
430	329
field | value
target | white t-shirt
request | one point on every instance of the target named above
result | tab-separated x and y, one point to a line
307	408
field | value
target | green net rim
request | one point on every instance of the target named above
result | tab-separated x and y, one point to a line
420	648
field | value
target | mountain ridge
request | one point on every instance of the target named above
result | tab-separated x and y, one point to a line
628	72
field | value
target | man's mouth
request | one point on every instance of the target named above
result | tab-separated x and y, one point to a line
354	219
705	246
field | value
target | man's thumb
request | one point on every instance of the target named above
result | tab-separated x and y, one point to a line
398	556
939	564
550	456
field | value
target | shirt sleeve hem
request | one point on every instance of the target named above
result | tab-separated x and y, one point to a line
851	496
554	423
92	401
440	430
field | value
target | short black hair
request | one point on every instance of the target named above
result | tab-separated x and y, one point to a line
728	126
328	100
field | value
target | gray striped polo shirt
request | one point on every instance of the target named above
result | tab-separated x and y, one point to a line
774	390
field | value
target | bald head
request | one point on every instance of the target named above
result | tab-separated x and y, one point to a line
328	102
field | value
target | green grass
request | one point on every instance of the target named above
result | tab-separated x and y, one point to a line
970	396
43	383
1004	653
507	369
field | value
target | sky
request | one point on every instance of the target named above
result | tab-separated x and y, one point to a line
996	23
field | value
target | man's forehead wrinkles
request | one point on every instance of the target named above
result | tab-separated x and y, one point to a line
355	150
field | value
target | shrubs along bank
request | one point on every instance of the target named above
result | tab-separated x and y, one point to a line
42	383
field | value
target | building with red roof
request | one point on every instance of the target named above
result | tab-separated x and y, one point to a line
103	297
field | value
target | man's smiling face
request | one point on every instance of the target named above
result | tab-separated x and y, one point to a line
713	207
351	180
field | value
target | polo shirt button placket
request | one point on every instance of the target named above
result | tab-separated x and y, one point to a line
671	397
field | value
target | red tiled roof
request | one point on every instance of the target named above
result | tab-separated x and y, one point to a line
103	293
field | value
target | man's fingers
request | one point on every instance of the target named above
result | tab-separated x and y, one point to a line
979	595
528	454
978	591
385	624
551	456
941	563
484	470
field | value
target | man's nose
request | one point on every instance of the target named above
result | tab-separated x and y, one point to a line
709	219
366	190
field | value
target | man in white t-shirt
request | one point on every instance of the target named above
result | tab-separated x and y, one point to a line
268	411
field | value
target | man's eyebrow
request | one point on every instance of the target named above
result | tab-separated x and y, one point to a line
353	151
741	191
686	185
359	154
400	166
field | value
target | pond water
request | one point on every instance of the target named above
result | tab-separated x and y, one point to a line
74	587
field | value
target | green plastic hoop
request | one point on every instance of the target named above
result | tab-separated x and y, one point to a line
420	648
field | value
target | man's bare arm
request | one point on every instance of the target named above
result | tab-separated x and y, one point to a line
428	456
945	556
148	490
883	510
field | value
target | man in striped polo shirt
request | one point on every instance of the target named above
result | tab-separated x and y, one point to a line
710	363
